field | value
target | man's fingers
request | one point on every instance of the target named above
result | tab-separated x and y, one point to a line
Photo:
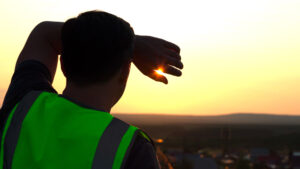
173	54
172	46
174	62
172	71
159	78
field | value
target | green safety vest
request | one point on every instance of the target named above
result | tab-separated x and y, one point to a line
46	131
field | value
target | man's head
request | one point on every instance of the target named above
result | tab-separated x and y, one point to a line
97	48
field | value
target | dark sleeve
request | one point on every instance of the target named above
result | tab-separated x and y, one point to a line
142	155
29	75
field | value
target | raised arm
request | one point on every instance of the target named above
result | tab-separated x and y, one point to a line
44	45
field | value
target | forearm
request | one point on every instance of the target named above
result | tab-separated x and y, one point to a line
43	45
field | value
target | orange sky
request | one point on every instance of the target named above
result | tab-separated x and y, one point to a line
239	56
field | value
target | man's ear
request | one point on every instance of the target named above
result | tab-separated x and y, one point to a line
125	69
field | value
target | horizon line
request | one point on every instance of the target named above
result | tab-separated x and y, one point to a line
199	115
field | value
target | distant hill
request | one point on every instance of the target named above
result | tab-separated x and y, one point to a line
236	118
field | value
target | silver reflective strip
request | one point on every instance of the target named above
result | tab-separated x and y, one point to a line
14	128
108	144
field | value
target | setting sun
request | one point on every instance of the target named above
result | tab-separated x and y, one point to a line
160	72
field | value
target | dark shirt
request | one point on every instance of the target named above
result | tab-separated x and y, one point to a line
33	75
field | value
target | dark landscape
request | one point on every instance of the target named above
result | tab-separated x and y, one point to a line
232	137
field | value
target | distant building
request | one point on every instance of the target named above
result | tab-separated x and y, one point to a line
205	163
295	160
271	161
256	153
194	161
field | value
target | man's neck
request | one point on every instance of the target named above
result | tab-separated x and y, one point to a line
91	96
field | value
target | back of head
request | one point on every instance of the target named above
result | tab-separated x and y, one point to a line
95	45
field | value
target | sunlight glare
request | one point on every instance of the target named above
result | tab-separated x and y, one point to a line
160	72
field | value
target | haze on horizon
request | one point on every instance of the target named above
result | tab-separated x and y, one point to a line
239	56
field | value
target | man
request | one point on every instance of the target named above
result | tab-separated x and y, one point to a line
40	129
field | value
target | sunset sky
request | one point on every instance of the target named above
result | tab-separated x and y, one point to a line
239	55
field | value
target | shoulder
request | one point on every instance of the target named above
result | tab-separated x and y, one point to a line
142	154
29	75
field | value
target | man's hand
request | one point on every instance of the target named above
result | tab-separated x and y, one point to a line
151	53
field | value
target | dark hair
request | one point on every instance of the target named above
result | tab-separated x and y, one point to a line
94	47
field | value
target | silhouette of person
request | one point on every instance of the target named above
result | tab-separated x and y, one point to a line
42	129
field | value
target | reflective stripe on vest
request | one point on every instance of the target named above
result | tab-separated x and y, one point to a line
47	131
